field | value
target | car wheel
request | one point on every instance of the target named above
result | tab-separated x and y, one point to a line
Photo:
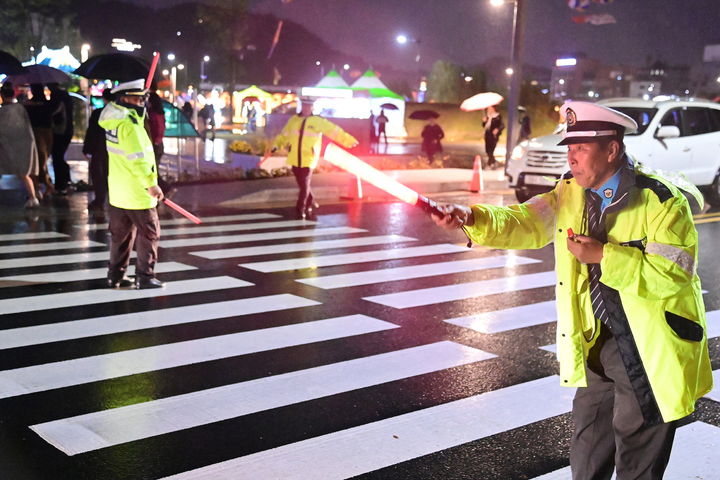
714	194
523	195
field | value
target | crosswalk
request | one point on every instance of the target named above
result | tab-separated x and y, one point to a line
326	350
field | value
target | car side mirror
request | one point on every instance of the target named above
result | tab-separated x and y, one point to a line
667	131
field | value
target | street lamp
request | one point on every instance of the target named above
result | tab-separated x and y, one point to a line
515	70
205	59
403	39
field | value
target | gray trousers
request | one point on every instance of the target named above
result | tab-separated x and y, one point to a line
609	428
125	226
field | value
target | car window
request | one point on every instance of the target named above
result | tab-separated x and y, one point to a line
642	116
696	120
714	115
672	118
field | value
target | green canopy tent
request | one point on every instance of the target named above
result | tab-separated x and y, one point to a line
177	125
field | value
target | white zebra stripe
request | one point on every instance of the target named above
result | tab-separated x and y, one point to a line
380	444
112	427
89	297
185	221
509	318
371	277
127	322
302	246
258	237
40	247
30	236
350	258
463	291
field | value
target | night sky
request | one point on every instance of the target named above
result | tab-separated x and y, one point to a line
471	31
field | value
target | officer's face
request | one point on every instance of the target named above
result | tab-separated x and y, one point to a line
592	163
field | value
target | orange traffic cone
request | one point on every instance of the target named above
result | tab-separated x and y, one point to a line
354	189
477	184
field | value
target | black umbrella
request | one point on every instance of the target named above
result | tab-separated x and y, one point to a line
424	114
114	66
389	106
9	65
39	74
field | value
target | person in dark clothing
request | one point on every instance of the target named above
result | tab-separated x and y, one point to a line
156	128
431	135
382	121
40	113
525	129
95	150
493	128
62	127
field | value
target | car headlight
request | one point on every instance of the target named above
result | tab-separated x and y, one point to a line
518	152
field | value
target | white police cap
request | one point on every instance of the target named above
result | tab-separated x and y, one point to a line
589	121
135	87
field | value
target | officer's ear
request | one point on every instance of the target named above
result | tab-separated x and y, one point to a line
613	150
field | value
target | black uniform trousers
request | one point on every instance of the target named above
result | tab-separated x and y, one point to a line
128	228
303	175
609	427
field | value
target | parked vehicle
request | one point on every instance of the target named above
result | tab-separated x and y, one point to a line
673	135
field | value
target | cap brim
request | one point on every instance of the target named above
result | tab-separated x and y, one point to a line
574	140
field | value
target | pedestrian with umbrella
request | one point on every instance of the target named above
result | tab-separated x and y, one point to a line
492	122
40	112
431	136
63	129
9	65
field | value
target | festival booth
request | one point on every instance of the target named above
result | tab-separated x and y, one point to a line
254	97
379	95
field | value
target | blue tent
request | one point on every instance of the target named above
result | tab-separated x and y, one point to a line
177	124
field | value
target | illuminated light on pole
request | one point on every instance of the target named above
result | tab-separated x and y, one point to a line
205	59
171	57
352	164
401	39
565	62
346	67
84	52
508	71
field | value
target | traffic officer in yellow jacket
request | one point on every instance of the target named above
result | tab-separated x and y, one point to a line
631	331
132	187
303	136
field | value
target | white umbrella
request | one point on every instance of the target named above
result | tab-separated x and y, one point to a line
481	101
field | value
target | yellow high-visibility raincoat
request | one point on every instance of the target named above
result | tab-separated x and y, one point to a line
304	137
649	283
131	167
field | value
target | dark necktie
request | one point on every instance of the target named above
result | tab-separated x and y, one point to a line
594	271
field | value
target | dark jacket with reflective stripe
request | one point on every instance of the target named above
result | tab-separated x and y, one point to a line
649	283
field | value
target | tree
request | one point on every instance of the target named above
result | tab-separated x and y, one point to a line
444	84
33	23
224	28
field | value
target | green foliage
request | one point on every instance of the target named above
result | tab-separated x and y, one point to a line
223	28
27	23
444	82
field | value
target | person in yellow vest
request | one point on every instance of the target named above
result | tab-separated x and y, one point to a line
133	190
631	327
302	135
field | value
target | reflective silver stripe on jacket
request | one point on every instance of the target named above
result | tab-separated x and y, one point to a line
129	156
545	212
676	255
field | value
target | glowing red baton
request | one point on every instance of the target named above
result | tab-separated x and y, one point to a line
153	66
182	211
350	163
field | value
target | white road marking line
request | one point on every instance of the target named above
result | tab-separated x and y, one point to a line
372	277
258	237
184	221
128	322
463	291
88	297
694	455
166	232
115	426
88	274
302	246
370	447
31	236
509	318
41	247
55	259
350	258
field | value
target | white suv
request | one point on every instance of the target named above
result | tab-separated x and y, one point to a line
673	135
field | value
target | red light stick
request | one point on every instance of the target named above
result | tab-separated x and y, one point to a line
182	211
153	66
350	163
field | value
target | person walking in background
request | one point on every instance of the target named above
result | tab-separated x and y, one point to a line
525	130
431	134
631	326
493	128
40	112
382	121
95	150
302	135
63	129
18	151
132	188
156	130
